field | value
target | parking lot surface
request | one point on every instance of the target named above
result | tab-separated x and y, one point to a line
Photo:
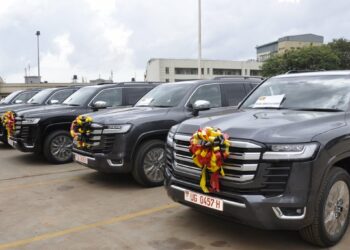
44	206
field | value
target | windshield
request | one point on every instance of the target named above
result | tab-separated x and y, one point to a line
166	95
8	98
40	97
80	97
313	93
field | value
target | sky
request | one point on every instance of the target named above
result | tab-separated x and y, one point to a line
92	38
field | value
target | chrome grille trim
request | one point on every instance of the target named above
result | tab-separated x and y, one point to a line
196	172
237	167
244	156
240	167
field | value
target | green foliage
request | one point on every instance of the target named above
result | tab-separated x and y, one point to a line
307	58
341	47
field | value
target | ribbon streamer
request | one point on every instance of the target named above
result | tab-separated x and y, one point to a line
209	148
9	122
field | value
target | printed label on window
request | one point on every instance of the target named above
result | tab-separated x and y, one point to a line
273	101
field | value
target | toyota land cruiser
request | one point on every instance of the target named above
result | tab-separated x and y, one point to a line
289	158
132	140
46	129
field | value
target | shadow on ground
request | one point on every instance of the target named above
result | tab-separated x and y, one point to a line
227	234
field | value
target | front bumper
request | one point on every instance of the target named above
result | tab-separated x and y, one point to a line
101	162
21	145
253	210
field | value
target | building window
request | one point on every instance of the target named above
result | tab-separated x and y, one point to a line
202	71
167	70
186	71
254	72
208	71
167	80
227	72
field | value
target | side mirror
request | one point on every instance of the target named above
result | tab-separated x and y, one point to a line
18	101
200	105
99	105
54	101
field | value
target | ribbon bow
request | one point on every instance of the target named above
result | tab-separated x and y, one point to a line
209	148
81	130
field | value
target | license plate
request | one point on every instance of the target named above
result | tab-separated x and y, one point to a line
204	200
10	142
81	158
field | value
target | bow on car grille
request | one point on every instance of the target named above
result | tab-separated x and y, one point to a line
245	173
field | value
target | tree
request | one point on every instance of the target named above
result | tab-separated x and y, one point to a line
341	47
307	58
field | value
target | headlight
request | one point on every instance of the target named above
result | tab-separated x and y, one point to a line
171	134
30	121
291	151
117	129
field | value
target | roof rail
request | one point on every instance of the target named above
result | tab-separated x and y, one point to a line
237	77
294	71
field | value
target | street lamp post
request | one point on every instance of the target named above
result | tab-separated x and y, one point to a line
199	39
37	35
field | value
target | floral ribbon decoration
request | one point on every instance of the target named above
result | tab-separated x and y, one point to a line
80	131
209	148
9	122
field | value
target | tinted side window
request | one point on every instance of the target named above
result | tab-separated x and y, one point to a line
132	95
211	93
234	93
113	97
61	95
24	97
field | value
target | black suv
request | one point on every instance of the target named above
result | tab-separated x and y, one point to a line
289	160
133	139
46	129
44	97
19	96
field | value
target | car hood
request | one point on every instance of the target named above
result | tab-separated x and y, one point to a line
269	126
127	115
14	107
52	110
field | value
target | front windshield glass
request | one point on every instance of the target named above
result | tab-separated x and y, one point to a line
40	97
80	97
8	98
166	95
312	92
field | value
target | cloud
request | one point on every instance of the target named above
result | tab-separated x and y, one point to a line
91	38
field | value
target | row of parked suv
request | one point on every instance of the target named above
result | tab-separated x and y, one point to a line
289	153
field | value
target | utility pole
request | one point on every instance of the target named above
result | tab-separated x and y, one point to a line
199	39
37	35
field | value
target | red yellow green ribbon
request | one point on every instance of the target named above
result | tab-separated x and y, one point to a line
80	130
9	122
209	148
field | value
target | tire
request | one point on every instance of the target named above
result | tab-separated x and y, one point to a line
61	142
149	163
335	192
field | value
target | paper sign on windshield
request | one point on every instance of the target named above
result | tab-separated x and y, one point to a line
145	101
273	101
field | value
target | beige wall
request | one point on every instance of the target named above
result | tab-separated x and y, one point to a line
287	45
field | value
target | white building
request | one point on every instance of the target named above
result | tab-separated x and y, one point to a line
173	70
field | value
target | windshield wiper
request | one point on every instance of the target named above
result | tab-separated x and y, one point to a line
319	109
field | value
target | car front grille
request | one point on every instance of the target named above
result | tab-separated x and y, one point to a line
245	173
100	143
